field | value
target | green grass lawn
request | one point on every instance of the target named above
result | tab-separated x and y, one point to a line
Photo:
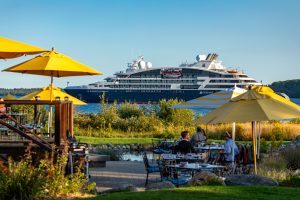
96	140
208	193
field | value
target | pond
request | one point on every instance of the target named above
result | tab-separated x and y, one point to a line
136	156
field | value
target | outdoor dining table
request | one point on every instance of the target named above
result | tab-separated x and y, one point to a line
209	149
197	167
180	157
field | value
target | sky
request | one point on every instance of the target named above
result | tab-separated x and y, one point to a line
259	37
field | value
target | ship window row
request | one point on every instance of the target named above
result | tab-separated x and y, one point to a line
161	76
218	86
141	86
232	81
158	81
194	75
249	81
189	87
225	81
210	74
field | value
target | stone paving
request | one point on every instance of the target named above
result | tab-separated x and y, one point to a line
118	174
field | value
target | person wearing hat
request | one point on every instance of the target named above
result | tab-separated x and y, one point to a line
229	147
199	136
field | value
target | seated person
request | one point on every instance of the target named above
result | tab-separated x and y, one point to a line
228	148
199	136
2	106
185	146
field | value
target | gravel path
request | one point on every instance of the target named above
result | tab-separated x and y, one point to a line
117	174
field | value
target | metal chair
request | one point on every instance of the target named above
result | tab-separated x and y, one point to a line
150	168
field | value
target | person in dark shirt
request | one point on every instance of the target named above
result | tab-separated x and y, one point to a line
185	146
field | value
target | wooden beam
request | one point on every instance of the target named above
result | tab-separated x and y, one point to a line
35	140
57	124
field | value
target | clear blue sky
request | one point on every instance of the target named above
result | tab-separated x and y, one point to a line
258	36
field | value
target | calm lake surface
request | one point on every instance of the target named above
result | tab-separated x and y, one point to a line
96	107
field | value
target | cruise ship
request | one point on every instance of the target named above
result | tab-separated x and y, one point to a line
142	83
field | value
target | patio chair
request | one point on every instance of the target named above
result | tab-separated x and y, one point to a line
169	173
150	168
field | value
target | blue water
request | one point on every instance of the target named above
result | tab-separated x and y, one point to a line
96	107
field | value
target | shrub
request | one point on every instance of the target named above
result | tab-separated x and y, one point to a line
129	110
274	163
166	134
276	132
57	183
274	167
293	180
295	121
21	181
183	117
109	116
129	120
263	146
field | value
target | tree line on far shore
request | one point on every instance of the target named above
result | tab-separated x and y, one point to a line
16	91
289	87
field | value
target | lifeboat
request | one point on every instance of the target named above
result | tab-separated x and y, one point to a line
171	73
232	71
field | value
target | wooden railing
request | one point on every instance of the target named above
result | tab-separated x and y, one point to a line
63	126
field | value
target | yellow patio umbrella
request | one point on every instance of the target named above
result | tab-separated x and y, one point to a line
13	49
9	97
53	64
44	94
260	103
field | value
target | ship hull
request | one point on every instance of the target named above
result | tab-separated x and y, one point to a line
138	96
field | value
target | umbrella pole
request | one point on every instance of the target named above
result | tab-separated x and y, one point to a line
255	136
258	142
233	138
254	148
50	121
233	131
50	110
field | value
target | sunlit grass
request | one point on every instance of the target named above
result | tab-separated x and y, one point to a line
209	192
96	140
